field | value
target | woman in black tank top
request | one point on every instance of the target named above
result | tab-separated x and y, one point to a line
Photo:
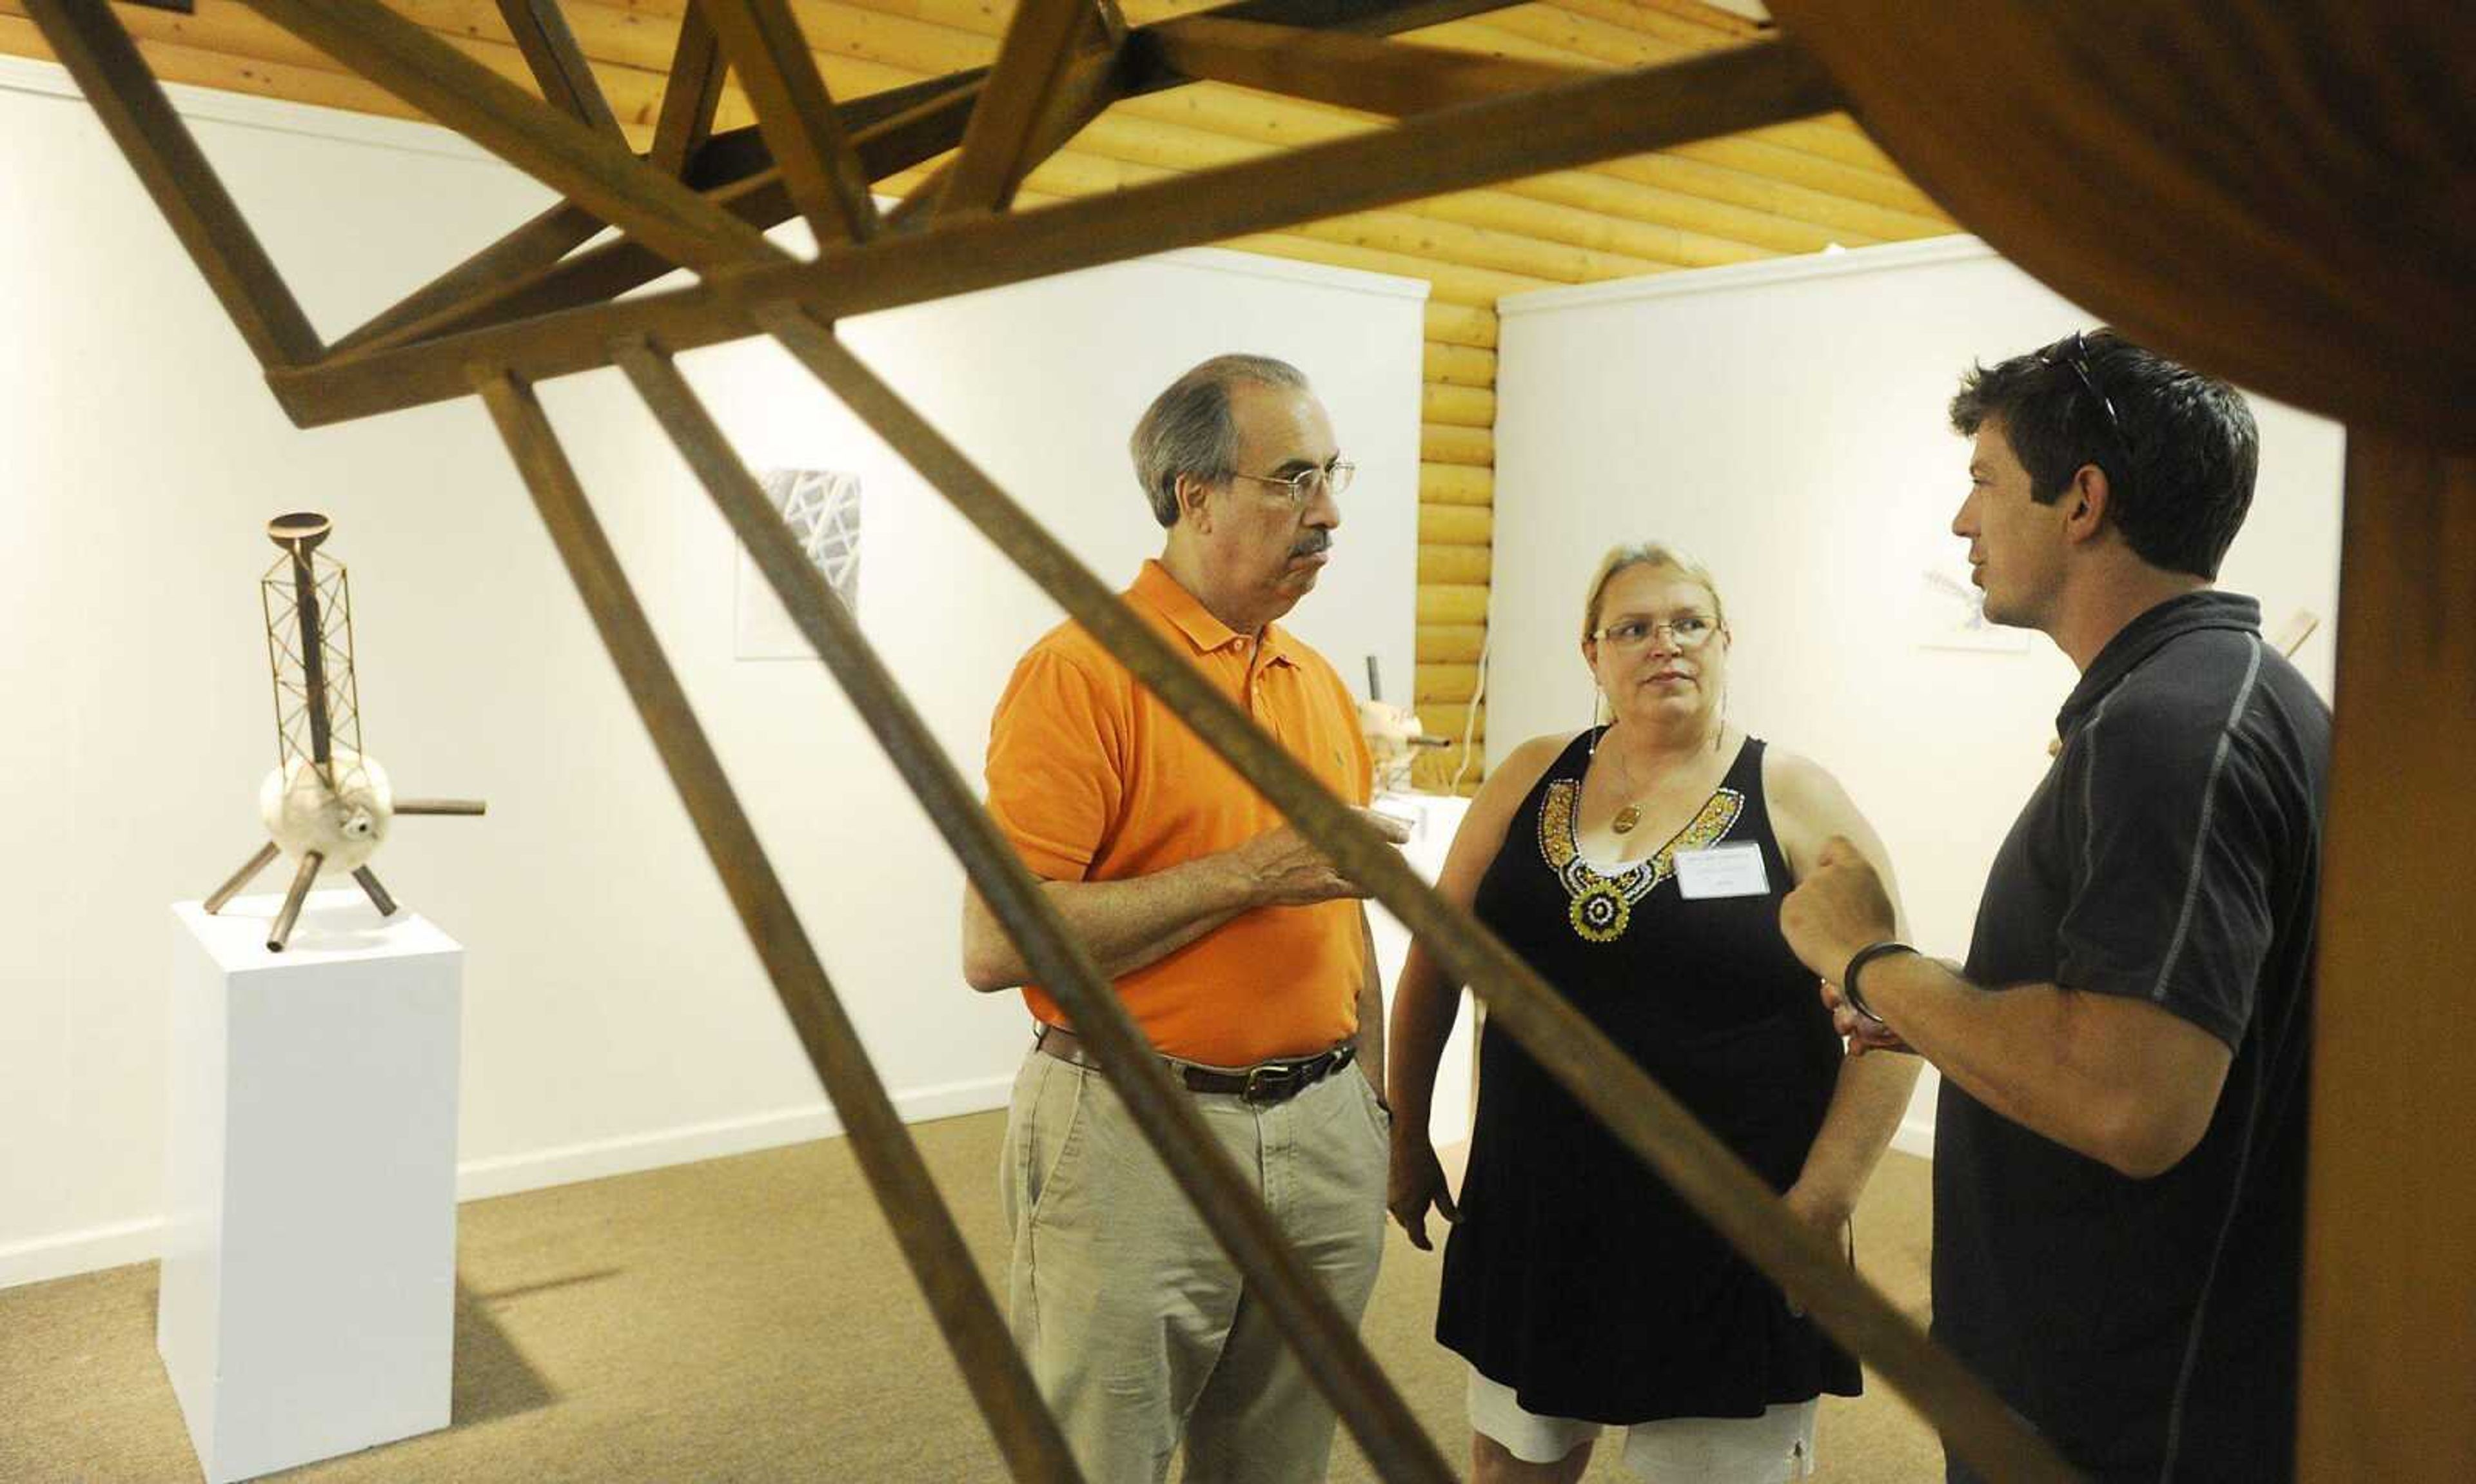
1639	867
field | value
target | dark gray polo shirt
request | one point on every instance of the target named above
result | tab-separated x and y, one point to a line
2171	855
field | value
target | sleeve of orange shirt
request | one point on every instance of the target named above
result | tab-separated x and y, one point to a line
1057	771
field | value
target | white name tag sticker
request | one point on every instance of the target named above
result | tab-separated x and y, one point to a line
1722	871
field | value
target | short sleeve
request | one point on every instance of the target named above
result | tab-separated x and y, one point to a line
2172	877
1362	790
1057	771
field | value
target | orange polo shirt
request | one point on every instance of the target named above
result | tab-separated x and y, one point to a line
1094	778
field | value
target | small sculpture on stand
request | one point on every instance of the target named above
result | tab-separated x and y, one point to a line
327	805
1394	735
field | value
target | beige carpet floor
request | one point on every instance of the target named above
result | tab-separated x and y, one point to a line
743	1320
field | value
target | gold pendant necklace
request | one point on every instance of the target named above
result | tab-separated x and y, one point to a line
1626	818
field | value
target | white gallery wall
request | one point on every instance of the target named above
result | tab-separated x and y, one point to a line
1787	422
614	1017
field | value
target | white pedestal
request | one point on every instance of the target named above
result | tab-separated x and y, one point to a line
1435	817
308	1280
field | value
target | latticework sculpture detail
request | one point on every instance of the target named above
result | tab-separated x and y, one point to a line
328	804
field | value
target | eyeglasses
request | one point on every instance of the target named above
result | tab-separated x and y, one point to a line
1307	484
1686	631
2077	359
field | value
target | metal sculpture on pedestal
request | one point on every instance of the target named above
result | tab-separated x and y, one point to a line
327	805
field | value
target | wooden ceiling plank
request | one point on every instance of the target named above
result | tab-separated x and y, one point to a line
1461	147
1674	20
796	112
88	40
1761	156
566	78
1734	184
1002	144
590	170
1391	78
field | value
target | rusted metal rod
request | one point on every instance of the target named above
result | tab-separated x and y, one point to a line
1710	1178
241	878
461	806
280	931
1025	1433
377	895
1327	1345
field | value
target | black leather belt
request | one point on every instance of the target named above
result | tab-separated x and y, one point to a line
1265	1082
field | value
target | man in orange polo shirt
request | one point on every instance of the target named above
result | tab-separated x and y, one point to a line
1241	951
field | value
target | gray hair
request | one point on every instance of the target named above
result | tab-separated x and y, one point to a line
1187	430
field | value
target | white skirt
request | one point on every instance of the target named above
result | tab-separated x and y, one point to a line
1776	1448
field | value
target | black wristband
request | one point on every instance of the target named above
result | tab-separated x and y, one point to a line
1848	975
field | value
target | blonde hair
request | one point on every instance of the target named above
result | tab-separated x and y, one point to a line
1648	553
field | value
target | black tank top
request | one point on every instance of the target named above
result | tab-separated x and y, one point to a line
1576	1276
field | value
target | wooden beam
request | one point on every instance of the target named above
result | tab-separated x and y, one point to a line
89	41
558	63
758	199
997	148
1643	1116
1391	78
522	253
2390	1270
801	126
919	121
691	97
735	154
1599	116
590	170
924	1228
1093	82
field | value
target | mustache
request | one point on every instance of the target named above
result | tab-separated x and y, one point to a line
1312	542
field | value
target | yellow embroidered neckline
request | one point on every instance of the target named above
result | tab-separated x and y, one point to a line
1603	901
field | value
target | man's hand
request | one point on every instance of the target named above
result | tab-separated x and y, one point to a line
1283	869
1840	907
1862	1034
1415	1182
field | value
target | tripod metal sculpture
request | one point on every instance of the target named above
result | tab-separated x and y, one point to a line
328	804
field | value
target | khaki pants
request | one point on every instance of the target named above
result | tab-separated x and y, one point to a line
1137	1327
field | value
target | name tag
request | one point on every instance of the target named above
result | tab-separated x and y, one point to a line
1722	871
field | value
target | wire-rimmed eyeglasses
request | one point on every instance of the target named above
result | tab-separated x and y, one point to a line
1307	484
1685	631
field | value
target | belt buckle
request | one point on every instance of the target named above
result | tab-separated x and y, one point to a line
1270	1082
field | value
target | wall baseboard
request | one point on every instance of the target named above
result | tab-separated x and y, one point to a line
72	1252
118	1244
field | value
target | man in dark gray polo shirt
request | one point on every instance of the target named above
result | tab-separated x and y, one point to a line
2119	1146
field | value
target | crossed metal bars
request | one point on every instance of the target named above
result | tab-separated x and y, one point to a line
524	309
